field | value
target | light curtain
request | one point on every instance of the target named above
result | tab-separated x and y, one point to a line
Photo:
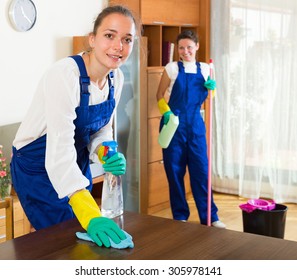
254	136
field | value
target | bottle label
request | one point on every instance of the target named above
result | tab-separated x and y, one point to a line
168	131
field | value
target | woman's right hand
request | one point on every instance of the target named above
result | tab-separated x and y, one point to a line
100	229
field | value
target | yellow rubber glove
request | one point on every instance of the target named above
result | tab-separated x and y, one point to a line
101	153
163	106
84	207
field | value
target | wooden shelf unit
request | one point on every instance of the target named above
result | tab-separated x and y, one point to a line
162	20
157	34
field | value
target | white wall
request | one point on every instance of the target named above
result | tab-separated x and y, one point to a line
24	56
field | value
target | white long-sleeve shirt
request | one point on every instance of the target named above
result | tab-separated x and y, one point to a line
52	112
190	67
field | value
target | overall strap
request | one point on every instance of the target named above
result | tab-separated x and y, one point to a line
180	67
198	65
84	80
111	86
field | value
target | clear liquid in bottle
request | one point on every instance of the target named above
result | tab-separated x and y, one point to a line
112	196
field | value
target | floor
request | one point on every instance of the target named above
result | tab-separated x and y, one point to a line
231	214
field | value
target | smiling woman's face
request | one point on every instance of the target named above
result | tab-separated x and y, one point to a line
113	42
187	49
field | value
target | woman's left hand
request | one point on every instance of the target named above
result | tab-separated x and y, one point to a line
210	84
115	164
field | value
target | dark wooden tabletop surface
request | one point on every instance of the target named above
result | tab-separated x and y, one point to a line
154	238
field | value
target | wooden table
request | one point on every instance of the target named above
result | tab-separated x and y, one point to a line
155	239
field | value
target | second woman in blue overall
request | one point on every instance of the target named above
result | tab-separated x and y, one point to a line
69	118
187	82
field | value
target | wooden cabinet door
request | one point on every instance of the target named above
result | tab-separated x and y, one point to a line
157	11
188	14
154	150
158	190
170	12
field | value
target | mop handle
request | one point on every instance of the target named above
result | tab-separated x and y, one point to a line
210	92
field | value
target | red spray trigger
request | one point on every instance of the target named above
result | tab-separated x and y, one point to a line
105	151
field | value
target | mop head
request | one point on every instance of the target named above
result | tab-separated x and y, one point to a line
261	204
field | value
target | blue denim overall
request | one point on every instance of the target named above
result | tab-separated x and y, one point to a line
30	180
188	147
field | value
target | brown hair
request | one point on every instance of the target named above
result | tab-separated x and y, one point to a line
117	9
188	34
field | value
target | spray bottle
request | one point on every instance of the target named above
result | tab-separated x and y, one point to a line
112	192
168	131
